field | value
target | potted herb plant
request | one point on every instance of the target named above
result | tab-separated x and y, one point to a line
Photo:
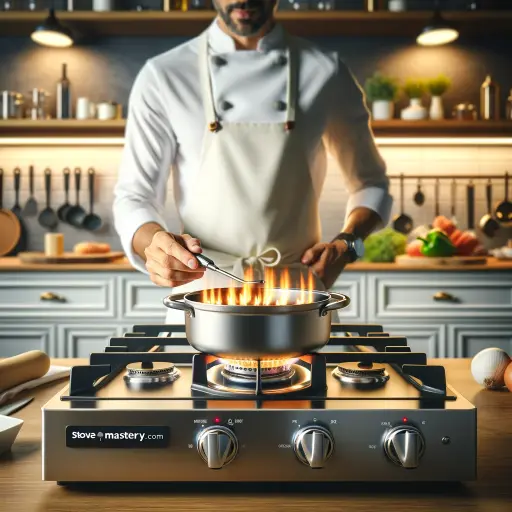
382	91
414	88
437	87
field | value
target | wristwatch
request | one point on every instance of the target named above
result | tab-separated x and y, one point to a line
355	245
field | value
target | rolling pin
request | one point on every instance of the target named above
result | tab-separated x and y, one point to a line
23	368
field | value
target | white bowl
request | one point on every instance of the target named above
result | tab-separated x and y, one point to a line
9	428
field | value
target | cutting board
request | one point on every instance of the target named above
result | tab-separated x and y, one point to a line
423	261
68	257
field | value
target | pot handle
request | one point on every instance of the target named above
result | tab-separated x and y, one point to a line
342	301
174	302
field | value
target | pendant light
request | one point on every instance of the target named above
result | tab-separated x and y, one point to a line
52	33
437	31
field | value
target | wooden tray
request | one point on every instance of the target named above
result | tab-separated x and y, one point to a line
424	261
69	257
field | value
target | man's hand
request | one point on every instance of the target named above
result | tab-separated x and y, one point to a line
327	260
170	259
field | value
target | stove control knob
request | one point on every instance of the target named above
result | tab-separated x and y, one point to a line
404	445
217	446
313	446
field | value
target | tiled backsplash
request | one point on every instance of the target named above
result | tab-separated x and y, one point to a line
424	160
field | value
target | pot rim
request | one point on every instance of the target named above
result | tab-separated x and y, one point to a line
262	310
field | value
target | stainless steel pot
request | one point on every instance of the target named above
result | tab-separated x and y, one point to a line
258	332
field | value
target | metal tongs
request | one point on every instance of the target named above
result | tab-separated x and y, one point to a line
208	263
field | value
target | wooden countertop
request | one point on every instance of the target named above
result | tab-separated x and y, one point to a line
21	487
15	265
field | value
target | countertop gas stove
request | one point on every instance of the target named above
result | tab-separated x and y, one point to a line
150	409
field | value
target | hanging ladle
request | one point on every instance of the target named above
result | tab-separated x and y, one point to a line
402	223
419	196
210	264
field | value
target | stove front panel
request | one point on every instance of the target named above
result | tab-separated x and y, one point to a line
73	450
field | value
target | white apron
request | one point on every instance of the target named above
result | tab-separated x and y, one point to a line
254	201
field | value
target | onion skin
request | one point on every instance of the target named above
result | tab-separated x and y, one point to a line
508	377
488	367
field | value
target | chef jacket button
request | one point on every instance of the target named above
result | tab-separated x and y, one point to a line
280	105
226	105
219	61
281	60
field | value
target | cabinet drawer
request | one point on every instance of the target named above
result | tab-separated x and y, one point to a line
352	285
141	299
16	338
466	295
428	339
83	296
81	340
470	339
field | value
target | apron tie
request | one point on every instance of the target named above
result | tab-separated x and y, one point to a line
268	258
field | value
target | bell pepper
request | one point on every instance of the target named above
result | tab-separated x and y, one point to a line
437	245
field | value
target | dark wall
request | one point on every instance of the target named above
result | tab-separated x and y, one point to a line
105	69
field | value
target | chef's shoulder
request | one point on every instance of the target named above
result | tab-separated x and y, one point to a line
173	67
316	61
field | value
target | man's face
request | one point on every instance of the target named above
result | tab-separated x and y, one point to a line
245	18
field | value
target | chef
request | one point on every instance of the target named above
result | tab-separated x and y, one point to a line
245	116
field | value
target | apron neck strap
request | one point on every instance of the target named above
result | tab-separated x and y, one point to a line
207	90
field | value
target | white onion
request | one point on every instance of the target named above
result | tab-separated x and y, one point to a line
488	367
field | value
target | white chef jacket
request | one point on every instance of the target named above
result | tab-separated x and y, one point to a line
166	123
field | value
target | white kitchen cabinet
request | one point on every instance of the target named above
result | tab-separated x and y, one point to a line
140	299
353	285
16	338
429	339
57	295
81	340
468	340
459	296
99	305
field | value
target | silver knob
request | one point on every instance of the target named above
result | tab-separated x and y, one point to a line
217	446
313	446
404	445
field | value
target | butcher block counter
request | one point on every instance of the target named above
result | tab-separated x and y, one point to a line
13	264
21	488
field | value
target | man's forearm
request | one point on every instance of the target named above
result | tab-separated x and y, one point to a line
143	237
361	222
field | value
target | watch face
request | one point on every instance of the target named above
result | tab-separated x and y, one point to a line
359	247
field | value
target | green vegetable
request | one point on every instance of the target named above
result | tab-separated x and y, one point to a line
436	245
382	246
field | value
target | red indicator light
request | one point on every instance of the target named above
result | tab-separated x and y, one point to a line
216	420
404	419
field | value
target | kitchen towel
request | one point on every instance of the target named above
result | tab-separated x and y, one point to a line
54	373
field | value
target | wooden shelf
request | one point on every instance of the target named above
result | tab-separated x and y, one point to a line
445	128
70	128
303	23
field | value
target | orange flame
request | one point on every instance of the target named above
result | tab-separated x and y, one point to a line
265	295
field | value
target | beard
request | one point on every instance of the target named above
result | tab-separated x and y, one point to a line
261	13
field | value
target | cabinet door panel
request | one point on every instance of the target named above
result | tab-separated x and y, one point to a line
470	339
57	295
429	339
405	296
81	340
16	338
353	285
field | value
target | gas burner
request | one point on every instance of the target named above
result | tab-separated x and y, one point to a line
244	371
361	375
150	374
239	376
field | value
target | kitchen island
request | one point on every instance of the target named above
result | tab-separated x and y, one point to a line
21	487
